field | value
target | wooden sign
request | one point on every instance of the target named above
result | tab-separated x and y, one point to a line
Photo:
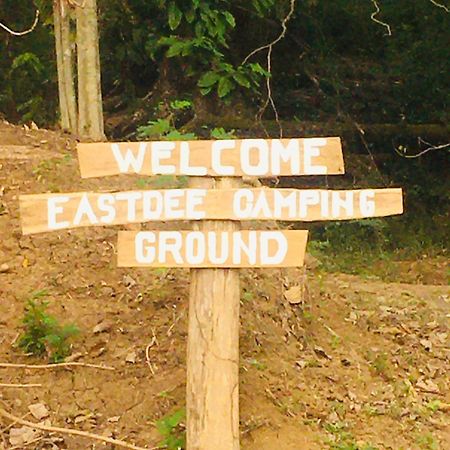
221	158
217	205
49	212
200	249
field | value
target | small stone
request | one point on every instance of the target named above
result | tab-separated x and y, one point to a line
4	268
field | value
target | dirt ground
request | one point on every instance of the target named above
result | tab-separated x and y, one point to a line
356	364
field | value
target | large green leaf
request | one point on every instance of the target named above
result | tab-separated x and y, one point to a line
225	87
175	16
208	79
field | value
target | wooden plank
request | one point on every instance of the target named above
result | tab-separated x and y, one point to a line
244	157
212	385
211	249
47	212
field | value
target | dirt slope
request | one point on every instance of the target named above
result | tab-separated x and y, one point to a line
356	362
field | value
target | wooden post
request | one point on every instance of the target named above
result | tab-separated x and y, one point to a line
213	347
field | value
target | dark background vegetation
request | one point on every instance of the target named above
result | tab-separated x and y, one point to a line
336	72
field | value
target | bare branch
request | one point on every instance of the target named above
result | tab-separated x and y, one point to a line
374	18
22	33
430	148
68	431
269	48
439	5
53	366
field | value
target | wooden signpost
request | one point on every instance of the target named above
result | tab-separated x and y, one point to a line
216	246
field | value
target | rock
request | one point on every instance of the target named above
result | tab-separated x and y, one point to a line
4	268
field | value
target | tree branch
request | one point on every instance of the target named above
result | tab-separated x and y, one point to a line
69	431
22	33
439	5
373	16
53	366
430	148
269	48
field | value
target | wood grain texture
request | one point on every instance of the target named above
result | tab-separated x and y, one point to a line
217	205
212	390
292	255
97	159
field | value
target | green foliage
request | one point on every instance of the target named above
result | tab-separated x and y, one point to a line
164	128
172	430
221	133
27	66
43	334
341	439
427	442
200	33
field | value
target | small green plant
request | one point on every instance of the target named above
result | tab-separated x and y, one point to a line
433	406
172	430
221	133
43	334
427	442
257	364
165	128
341	439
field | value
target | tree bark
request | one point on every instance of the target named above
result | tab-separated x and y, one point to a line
213	348
64	58
90	109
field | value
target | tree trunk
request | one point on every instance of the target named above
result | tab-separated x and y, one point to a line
90	109
64	58
213	348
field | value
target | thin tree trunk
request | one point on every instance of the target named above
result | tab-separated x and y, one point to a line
90	110
64	57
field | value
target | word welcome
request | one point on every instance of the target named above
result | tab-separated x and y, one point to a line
211	248
49	212
248	157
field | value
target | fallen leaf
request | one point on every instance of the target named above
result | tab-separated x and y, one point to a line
428	386
39	411
294	295
22	436
321	352
114	419
131	357
102	327
128	281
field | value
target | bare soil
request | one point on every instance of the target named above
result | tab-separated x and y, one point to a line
355	362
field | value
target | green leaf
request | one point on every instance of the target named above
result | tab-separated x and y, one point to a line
175	16
209	79
230	19
176	49
241	79
190	16
225	87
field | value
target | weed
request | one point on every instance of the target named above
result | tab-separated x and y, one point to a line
433	406
335	342
382	366
247	296
221	133
257	364
43	334
172	430
341	439
427	442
